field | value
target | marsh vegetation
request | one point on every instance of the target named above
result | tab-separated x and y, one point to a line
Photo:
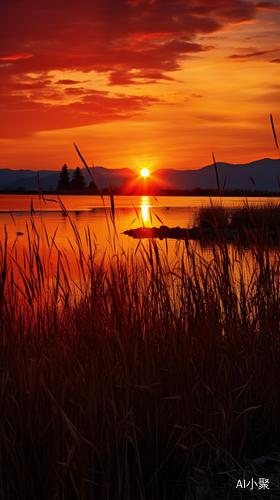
142	377
257	216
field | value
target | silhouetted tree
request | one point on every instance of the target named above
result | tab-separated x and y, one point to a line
92	185
64	179
78	182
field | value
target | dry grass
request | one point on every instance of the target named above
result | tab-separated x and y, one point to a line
256	217
260	215
144	377
213	216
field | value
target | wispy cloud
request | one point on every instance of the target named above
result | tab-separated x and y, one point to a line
251	54
67	82
268	6
15	57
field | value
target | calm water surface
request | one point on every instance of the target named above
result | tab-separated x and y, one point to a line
54	231
92	213
19	202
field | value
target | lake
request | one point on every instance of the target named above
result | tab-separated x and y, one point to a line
91	211
88	222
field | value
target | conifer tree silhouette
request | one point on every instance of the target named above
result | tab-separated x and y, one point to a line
64	179
78	182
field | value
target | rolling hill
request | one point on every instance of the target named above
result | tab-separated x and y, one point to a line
264	173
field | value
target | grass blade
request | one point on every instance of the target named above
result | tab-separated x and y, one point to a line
217	176
274	133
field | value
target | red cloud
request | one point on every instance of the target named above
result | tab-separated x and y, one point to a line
22	117
134	41
113	34
15	57
267	6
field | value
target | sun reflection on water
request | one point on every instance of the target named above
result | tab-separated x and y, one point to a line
145	208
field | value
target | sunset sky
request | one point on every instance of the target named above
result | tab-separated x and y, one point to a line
138	83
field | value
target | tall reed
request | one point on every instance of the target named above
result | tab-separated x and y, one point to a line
140	378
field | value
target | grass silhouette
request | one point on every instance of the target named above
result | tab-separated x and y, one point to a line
141	379
145	376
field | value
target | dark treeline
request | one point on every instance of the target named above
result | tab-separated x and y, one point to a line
90	189
77	183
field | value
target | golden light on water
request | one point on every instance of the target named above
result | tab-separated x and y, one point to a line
145	172
145	206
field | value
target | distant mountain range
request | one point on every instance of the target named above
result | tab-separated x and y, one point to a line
264	173
15	179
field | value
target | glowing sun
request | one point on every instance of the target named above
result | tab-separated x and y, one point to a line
145	172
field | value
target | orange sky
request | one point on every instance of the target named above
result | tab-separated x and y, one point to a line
138	83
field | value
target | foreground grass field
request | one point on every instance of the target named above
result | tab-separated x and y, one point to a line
141	378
